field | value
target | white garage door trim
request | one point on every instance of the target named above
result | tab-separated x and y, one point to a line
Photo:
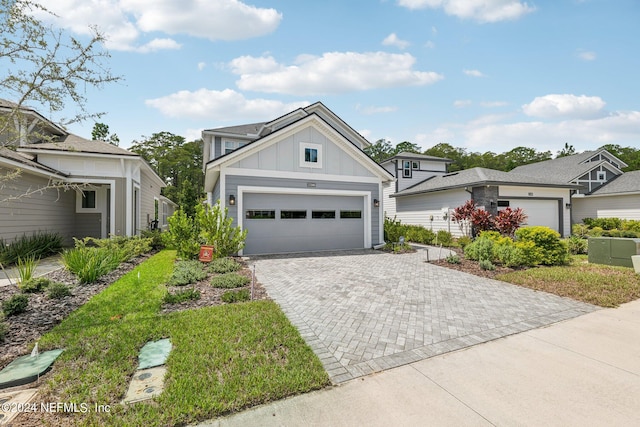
309	192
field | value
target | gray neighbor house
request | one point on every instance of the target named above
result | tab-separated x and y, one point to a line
71	185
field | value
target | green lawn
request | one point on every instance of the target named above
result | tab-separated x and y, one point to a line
603	285
224	358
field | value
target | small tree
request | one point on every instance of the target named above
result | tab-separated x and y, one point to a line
462	216
215	229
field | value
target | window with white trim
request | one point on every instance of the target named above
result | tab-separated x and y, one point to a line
406	169
230	146
310	155
602	176
415	165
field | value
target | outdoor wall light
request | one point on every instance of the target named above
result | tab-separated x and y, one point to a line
445	216
232	200
493	204
568	205
376	203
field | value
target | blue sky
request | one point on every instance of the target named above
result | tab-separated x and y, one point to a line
486	75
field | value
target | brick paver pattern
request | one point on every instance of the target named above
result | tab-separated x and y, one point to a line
365	311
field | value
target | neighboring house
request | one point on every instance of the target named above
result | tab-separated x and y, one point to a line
606	191
100	189
409	169
298	183
431	202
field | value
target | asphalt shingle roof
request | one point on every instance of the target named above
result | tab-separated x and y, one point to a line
480	176
26	160
244	130
563	168
415	156
76	143
628	182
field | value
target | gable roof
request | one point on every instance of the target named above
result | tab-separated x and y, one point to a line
628	182
415	156
479	176
75	143
568	168
250	129
271	137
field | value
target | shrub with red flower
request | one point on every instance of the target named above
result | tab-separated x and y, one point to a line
482	220
508	221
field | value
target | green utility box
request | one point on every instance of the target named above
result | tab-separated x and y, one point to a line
613	250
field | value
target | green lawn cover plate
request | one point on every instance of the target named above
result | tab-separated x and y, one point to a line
26	369
154	353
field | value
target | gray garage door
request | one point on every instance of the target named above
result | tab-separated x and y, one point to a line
539	212
281	223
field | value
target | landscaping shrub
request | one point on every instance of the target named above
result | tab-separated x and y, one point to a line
552	249
186	272
444	238
393	229
580	230
38	245
577	245
155	236
453	259
418	234
236	296
508	221
464	241
216	229
35	284
15	305
26	267
224	265
4	328
58	290
181	296
480	249
482	221
510	255
604	223
229	280
126	247
596	232
486	264
462	215
89	264
182	235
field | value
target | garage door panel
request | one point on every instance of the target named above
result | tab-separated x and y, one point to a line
281	235
539	212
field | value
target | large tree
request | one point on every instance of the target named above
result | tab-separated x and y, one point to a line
100	132
447	151
178	163
380	150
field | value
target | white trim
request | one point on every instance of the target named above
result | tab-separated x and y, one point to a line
112	184
136	209
223	190
263	173
381	214
78	153
80	195
366	195
303	146
15	164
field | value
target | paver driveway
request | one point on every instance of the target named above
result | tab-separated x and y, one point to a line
365	311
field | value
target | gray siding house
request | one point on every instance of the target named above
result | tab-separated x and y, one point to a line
73	186
605	190
298	183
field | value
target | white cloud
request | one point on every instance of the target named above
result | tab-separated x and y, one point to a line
222	105
202	66
587	55
159	44
564	105
484	11
393	40
430	45
333	72
192	134
474	73
124	22
622	127
493	104
461	103
371	109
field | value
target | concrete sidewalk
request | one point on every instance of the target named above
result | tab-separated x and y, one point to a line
10	275
583	371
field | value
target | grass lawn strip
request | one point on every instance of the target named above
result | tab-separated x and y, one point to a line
603	285
224	358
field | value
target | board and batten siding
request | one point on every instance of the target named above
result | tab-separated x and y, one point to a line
234	181
53	210
388	202
284	156
418	209
615	206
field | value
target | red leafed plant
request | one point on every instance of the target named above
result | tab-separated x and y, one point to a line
482	221
509	220
463	216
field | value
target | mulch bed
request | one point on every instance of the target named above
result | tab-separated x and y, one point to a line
471	267
43	313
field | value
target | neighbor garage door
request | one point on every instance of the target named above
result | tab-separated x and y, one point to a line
539	212
281	223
